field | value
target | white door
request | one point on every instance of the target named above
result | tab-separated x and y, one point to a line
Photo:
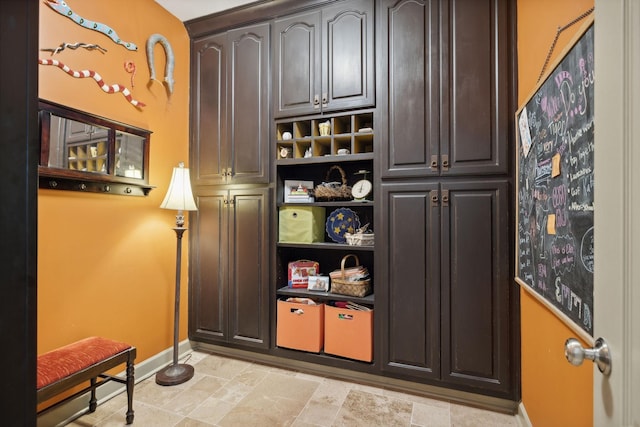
616	397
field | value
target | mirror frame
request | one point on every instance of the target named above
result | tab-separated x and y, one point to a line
108	182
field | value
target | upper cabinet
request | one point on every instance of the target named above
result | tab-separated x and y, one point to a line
83	152
230	107
445	86
324	60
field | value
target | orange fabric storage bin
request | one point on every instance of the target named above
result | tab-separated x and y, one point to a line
300	326
348	333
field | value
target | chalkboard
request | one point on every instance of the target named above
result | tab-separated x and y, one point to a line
555	185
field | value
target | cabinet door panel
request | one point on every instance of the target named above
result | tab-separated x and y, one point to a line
249	271
409	35
475	277
208	111
297	64
410	301
476	87
207	268
348	56
249	104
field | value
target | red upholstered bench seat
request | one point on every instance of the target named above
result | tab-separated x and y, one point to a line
85	360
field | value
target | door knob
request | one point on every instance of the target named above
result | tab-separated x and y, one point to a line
600	354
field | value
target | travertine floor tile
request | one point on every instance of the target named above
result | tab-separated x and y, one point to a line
226	392
362	408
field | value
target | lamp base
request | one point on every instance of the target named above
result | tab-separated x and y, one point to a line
174	374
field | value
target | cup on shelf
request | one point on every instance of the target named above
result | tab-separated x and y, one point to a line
324	128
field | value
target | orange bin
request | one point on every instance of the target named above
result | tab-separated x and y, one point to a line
300	326
348	333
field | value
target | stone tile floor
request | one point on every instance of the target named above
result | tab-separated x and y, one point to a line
229	392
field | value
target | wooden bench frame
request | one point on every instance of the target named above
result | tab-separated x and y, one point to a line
91	374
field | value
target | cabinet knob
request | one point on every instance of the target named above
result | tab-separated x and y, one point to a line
325	99
434	162
316	101
445	162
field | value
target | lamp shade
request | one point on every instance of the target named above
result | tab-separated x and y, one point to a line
179	196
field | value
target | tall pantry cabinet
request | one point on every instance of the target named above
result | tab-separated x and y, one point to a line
230	233
431	83
444	105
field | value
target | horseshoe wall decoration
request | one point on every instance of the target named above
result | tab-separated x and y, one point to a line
95	76
63	9
168	69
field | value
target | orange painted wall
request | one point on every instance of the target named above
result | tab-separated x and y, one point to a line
106	263
554	393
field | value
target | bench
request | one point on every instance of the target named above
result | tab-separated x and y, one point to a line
82	361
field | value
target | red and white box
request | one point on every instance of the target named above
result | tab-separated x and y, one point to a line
299	272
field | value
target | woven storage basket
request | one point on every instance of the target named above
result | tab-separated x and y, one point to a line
325	192
340	283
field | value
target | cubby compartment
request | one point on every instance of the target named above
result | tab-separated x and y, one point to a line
342	124
302	129
363	123
342	134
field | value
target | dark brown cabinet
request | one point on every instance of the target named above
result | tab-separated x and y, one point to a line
446	86
229	273
324	59
230	107
435	136
446	265
444	104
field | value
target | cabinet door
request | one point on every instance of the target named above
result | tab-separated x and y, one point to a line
249	266
297	65
476	319
475	87
408	278
208	110
208	276
446	82
410	114
348	78
248	104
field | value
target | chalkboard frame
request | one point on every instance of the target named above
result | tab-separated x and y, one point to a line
586	333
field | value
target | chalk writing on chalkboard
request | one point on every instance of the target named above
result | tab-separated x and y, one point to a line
555	186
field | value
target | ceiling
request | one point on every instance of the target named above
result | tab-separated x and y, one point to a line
185	10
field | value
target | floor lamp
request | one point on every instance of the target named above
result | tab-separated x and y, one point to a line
179	197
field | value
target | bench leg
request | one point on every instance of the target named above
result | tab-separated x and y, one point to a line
93	402
130	384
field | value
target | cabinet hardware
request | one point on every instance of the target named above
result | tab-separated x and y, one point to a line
445	162
82	186
325	101
445	198
434	198
316	101
53	184
434	162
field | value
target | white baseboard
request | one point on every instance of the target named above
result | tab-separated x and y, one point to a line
523	417
71	410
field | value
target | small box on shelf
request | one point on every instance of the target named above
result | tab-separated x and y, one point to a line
301	224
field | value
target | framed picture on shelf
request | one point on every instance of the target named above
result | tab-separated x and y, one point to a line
297	191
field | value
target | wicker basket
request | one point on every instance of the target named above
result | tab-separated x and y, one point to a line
327	192
342	284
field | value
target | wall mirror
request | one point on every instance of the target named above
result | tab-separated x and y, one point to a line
83	152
